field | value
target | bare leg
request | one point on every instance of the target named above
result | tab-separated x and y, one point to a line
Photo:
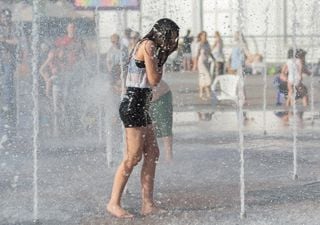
167	141
208	92
135	144
201	92
290	93
185	66
151	155
55	101
219	69
305	101
194	64
188	64
245	96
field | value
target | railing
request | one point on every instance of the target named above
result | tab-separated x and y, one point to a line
277	46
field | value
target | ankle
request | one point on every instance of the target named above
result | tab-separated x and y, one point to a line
113	204
148	203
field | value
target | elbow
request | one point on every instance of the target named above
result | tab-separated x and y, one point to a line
154	79
154	82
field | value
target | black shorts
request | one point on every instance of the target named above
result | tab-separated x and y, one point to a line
134	107
301	90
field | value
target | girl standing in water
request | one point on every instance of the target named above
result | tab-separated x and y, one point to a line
144	72
161	111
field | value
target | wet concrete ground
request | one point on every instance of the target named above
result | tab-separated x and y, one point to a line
201	185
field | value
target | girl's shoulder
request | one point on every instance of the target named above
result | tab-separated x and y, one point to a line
145	45
146	42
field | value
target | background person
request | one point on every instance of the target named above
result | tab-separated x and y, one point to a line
217	52
205	80
294	68
187	57
125	41
194	52
52	71
74	75
302	55
74	46
117	56
238	54
281	83
116	61
161	111
134	38
8	58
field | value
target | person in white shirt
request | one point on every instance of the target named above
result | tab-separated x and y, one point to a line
293	68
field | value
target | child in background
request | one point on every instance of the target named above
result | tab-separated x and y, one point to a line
161	112
281	83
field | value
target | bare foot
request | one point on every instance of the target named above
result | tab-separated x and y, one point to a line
118	212
169	156
150	209
203	98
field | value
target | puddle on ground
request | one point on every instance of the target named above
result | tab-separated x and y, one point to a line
253	120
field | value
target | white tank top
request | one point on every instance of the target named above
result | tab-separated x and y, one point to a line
136	77
294	71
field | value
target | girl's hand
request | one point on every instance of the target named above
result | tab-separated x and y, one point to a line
162	56
151	56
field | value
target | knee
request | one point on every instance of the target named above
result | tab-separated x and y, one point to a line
152	155
156	153
132	161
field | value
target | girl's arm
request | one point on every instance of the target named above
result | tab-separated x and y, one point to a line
284	71
153	69
159	90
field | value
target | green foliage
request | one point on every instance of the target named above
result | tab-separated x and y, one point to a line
272	70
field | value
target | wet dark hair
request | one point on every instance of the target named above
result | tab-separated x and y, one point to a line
290	53
161	32
299	53
128	31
